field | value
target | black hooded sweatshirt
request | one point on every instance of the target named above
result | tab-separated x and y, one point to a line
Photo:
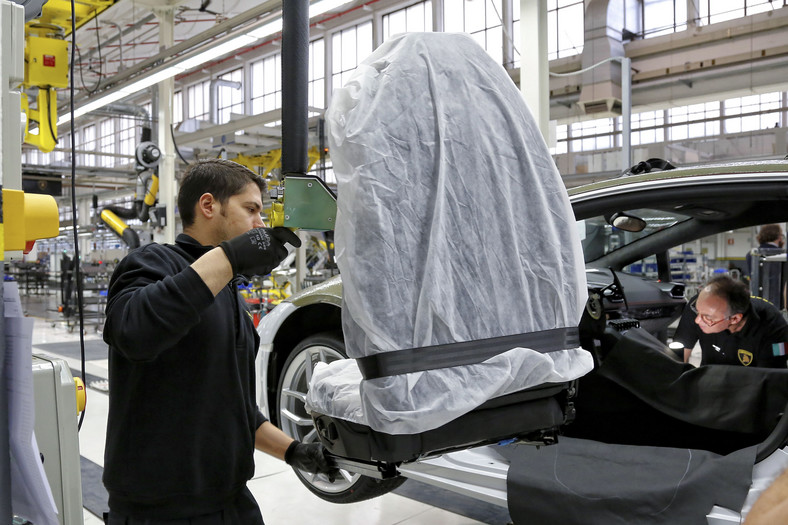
182	413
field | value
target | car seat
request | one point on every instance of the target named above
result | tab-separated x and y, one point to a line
462	269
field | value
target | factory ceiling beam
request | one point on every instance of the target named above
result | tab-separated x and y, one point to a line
127	176
122	83
728	59
87	55
244	123
269	7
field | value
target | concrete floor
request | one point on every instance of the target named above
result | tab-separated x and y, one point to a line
282	498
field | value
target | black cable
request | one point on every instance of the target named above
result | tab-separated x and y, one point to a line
82	78
77	265
49	116
175	144
98	48
101	63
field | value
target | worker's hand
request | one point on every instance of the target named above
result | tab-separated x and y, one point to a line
259	250
310	457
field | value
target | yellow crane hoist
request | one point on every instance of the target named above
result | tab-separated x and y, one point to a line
46	68
310	204
148	157
46	63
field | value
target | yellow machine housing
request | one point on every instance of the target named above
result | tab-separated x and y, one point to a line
58	13
27	218
46	67
267	162
46	61
46	117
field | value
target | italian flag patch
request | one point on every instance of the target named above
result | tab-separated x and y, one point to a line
778	349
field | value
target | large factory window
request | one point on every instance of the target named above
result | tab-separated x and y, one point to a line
482	20
317	75
177	107
230	100
647	127
198	98
713	11
662	17
411	19
88	144
106	143
693	121
266	84
127	138
349	47
754	112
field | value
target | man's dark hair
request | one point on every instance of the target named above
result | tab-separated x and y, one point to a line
769	233
221	178
734	292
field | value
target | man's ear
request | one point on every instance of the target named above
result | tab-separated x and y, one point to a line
736	318
207	206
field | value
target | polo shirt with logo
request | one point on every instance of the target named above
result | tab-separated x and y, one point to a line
763	342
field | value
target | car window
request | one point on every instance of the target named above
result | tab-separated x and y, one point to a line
600	238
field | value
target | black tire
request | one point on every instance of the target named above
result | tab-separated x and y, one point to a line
294	420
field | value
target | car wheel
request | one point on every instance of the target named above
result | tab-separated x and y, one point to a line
296	422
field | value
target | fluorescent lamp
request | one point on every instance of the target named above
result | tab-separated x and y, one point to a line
216	51
318	8
179	65
93	105
266	30
151	80
120	93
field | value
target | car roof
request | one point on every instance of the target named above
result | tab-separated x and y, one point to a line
716	197
690	184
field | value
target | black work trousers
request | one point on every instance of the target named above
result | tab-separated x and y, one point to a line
243	510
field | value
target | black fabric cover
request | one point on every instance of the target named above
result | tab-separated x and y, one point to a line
722	397
590	483
609	413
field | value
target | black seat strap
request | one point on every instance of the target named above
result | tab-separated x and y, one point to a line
463	353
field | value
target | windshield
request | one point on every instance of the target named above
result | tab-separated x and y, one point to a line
600	238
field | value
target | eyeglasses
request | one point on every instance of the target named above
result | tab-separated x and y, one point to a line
703	317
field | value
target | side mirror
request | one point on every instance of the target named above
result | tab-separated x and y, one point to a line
626	222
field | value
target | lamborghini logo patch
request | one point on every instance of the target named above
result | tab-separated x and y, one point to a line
745	357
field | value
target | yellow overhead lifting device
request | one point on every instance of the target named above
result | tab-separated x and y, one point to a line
272	159
268	162
46	67
46	63
148	157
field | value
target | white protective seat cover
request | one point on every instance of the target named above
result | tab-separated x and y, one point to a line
453	225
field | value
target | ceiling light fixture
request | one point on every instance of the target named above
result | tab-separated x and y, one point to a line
210	51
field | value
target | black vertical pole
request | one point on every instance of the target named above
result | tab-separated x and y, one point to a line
295	83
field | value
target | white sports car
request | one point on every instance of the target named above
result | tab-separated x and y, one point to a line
644	437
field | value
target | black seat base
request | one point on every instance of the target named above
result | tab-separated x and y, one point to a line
535	414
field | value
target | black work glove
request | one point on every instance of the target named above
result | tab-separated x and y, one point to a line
259	250
310	457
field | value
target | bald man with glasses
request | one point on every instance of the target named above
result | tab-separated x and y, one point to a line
733	328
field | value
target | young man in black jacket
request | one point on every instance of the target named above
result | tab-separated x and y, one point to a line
183	421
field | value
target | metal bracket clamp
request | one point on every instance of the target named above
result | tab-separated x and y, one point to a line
309	203
374	470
